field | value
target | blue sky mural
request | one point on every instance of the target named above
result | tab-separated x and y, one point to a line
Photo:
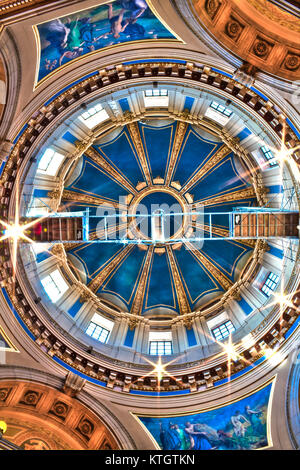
239	426
67	38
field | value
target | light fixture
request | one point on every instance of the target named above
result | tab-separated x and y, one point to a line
3	428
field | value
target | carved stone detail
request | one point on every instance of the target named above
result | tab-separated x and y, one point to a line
233	28
73	384
30	398
291	62
262	48
4	394
59	409
211	7
85	428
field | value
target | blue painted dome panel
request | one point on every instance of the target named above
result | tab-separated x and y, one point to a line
197	279
224	254
96	256
123	280
158	143
195	151
222	179
160	290
121	153
95	182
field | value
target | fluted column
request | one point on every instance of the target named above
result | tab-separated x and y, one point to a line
236	314
175	339
139	337
84	317
145	339
67	299
119	331
182	337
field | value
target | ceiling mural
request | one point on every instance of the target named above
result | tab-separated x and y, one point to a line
241	425
138	175
5	344
65	39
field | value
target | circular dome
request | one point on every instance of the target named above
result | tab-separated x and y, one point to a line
100	300
193	179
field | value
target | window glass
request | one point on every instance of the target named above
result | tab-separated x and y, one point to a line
50	162
222	331
55	285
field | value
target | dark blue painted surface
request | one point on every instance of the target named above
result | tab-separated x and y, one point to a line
198	281
42	256
247	309
275	251
92	180
124	104
188	103
244	133
191	337
75	308
194	153
129	338
122	281
121	153
70	137
40	193
158	145
160	290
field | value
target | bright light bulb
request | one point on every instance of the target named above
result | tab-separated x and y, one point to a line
3	427
281	155
14	231
159	370
230	351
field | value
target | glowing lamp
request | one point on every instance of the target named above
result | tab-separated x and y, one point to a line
3	427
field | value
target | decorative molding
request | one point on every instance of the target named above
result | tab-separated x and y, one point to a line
138	300
184	306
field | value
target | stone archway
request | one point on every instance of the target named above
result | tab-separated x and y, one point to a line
40	417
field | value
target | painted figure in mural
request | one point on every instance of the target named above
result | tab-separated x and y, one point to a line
50	64
169	437
87	32
254	418
198	439
73	43
185	442
225	439
57	33
68	38
138	7
116	22
239	424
